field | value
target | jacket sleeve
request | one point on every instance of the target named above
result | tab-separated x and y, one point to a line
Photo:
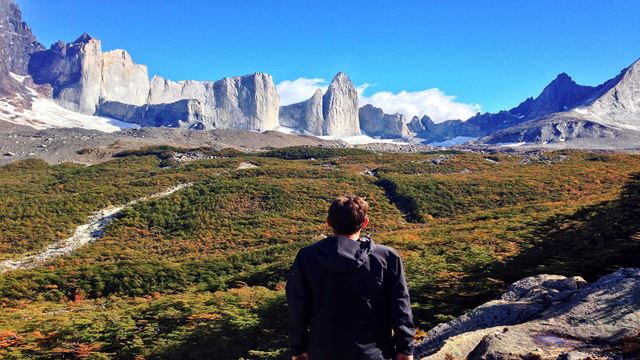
299	305
402	319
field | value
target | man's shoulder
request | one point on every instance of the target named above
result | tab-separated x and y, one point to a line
309	249
386	251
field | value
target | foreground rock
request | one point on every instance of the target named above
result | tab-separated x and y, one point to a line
547	317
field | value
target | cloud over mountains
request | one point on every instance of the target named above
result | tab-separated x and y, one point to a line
432	102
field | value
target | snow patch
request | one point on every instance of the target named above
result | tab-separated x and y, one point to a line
364	139
453	141
45	114
17	77
291	131
512	144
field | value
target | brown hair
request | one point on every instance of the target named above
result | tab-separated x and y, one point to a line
347	214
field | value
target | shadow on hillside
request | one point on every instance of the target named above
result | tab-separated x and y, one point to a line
237	335
594	241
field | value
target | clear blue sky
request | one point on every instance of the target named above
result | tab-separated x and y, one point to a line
493	53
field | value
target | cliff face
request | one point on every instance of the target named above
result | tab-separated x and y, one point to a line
340	108
82	76
16	44
90	81
333	114
306	115
546	317
17	41
374	122
247	102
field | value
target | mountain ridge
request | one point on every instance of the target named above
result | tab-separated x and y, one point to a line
83	78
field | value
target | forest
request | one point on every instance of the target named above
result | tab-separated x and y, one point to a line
201	273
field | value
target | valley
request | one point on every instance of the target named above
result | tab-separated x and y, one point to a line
171	274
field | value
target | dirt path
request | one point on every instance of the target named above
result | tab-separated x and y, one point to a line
83	235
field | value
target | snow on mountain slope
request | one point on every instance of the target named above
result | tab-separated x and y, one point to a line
45	113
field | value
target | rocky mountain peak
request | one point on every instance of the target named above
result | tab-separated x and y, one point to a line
341	77
83	39
563	77
617	101
562	83
17	41
340	107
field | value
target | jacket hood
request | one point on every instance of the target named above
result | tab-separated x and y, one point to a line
341	254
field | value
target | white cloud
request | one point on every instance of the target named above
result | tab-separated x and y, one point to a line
301	89
432	102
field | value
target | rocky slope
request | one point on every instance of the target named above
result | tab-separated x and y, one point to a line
247	102
547	317
17	41
16	44
563	111
606	112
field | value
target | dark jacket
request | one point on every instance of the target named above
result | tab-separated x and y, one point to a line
348	300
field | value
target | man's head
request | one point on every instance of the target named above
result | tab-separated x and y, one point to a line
348	215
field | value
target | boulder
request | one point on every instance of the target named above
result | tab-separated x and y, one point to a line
546	317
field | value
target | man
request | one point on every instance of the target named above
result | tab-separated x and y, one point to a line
347	297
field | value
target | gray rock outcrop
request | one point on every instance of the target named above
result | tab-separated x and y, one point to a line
247	102
180	114
418	125
617	102
82	76
86	80
375	123
333	114
340	107
546	317
306	115
17	43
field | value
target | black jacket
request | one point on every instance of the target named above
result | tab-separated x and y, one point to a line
348	300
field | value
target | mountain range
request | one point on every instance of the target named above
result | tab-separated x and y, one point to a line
79	81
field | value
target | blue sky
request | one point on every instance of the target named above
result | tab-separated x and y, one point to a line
489	53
